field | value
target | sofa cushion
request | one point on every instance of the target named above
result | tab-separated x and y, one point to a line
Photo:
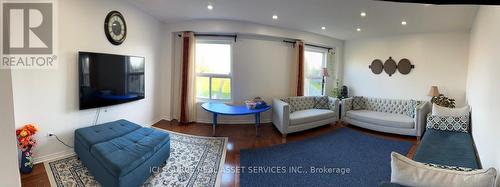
358	103
407	172
321	102
445	111
310	115
333	104
447	148
410	108
89	136
301	103
123	154
448	123
382	118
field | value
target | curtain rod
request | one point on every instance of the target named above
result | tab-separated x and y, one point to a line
310	45
215	35
235	36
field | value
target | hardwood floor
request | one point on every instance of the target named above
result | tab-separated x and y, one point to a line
37	178
240	137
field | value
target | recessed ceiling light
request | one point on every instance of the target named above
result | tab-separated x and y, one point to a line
323	28
210	7
403	23
363	14
358	29
275	17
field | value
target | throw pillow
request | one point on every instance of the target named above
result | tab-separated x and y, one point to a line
410	108
444	111
407	172
448	123
358	103
321	102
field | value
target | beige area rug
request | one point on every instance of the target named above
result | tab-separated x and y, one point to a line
193	161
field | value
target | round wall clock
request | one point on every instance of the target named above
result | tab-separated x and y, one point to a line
115	28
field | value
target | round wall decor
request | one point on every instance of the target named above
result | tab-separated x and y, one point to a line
390	66
405	66
377	67
115	27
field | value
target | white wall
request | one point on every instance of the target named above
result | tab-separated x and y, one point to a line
482	85
49	98
261	61
9	172
440	59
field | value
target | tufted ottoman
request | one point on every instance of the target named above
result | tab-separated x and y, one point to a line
121	153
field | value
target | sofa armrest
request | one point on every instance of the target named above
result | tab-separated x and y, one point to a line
333	104
421	112
281	115
346	106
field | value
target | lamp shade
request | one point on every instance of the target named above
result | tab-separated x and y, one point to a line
434	92
324	72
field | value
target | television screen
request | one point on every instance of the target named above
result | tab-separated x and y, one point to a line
107	79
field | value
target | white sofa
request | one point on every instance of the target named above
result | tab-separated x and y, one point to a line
295	114
404	117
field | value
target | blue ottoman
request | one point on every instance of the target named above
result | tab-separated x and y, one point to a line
121	153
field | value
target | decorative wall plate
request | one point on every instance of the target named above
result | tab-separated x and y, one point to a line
405	66
390	66
377	67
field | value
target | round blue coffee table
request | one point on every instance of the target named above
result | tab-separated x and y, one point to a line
232	110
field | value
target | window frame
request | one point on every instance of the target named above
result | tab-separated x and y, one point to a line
210	76
324	64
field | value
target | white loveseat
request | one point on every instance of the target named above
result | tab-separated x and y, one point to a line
405	117
295	114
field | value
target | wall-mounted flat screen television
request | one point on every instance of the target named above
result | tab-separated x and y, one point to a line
107	79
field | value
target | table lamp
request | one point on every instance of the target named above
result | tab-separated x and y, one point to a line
433	92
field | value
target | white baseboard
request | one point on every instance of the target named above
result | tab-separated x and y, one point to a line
53	156
71	152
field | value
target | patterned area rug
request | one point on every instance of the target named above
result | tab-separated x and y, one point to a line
193	161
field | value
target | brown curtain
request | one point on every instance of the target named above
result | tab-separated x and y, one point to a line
297	76
187	80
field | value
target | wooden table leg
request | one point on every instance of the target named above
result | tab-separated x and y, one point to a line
214	123
257	123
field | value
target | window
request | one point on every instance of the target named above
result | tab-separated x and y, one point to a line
213	69
314	61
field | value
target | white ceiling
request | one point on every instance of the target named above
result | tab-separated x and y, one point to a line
340	17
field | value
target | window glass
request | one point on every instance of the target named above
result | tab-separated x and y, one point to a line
213	58
213	70
221	88
314	62
203	87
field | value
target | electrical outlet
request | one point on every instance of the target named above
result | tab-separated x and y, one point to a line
50	135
